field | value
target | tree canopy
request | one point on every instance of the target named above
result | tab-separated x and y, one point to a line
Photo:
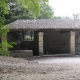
7	7
46	11
17	12
76	16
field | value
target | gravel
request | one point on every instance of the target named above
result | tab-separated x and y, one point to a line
45	68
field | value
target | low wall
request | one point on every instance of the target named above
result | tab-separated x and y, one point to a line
22	53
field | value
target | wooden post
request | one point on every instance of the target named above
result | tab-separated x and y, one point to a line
40	34
72	43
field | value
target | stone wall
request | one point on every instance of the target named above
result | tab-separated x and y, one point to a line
77	41
21	53
56	42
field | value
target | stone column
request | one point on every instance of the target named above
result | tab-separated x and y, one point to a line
72	43
40	34
4	39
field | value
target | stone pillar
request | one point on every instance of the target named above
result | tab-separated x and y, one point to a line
41	52
4	39
72	43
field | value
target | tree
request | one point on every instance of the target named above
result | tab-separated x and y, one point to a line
17	12
20	8
10	6
46	11
3	10
64	17
57	17
76	16
5	6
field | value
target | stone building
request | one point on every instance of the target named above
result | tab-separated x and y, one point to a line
45	36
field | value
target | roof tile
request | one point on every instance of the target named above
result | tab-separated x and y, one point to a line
45	24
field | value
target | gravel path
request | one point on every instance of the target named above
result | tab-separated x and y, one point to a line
46	68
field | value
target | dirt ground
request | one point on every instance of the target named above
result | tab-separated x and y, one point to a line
36	68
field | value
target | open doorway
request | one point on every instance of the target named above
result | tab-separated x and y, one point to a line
56	42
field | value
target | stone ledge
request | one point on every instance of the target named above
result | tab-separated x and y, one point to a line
22	53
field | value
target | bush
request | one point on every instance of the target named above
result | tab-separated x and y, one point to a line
4	52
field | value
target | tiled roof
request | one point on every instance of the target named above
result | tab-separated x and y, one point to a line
37	24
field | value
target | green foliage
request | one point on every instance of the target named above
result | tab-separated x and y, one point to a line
4	30
1	21
3	10
46	12
3	7
31	5
29	39
57	17
29	10
3	52
2	48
